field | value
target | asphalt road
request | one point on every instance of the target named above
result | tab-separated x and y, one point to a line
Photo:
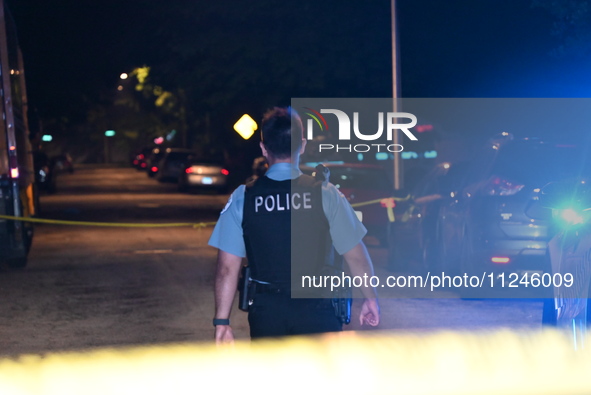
88	287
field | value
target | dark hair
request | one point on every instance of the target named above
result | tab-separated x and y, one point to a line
281	132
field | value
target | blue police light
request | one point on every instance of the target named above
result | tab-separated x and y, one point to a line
46	137
333	162
409	155
110	133
571	216
171	135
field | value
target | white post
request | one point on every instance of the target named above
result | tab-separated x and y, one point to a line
398	170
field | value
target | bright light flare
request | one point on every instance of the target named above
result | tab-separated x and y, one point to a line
246	126
571	216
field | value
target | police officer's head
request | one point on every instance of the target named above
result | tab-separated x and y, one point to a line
282	135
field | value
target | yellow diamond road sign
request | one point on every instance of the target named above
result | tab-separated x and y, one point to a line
245	126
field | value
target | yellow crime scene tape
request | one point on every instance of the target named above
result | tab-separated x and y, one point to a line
87	223
387	202
443	363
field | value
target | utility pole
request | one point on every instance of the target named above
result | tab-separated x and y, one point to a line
398	170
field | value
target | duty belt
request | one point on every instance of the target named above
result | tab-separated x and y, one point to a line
270	288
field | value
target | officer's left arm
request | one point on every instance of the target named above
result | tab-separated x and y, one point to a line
347	233
226	282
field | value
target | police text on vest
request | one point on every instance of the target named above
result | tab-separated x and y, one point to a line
283	202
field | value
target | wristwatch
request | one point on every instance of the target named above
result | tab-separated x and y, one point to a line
221	321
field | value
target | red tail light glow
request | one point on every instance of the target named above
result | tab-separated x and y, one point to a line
225	172
498	186
143	164
189	170
154	169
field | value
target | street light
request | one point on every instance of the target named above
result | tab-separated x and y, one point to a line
108	133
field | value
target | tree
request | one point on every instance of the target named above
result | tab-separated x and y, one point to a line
572	26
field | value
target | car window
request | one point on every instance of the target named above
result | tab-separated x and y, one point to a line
541	163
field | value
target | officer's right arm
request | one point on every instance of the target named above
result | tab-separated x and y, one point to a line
226	282
227	238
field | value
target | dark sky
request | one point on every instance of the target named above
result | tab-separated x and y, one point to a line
456	48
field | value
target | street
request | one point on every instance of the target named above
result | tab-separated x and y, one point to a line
88	287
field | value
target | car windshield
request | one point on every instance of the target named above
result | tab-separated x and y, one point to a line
541	163
204	162
360	178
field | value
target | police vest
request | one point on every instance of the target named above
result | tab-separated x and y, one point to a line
286	232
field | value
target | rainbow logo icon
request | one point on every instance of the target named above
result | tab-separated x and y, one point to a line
315	115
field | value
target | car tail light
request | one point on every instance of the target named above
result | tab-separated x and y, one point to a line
154	169
140	156
143	164
135	161
225	172
498	186
503	260
189	170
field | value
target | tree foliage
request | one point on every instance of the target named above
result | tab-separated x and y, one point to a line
572	25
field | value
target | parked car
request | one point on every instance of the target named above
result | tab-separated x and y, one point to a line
172	164
362	183
140	158
203	174
153	160
413	236
486	228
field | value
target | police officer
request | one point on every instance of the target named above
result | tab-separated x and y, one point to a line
256	223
